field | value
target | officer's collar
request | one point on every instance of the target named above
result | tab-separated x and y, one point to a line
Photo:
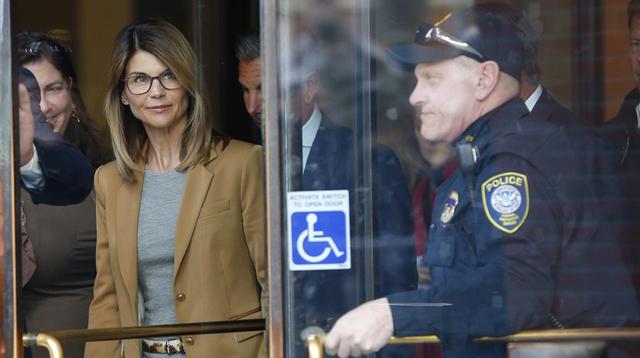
498	120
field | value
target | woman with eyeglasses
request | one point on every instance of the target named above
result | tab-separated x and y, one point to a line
180	210
63	238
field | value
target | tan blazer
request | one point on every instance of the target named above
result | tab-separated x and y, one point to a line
219	253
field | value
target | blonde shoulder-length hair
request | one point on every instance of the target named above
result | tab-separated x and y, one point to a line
128	136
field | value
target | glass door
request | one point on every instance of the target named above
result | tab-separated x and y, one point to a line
345	230
355	191
56	297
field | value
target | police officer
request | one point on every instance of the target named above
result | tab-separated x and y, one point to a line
517	241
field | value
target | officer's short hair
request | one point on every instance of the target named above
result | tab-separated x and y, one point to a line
248	47
632	10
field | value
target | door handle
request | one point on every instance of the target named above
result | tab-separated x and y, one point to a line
43	340
313	338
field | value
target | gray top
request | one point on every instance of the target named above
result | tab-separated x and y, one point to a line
159	207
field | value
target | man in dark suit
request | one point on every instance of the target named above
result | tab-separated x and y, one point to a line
329	163
53	171
623	130
622	135
330	166
326	160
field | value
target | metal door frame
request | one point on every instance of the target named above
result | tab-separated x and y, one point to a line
10	340
273	40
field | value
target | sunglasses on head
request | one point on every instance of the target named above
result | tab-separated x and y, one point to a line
428	34
36	48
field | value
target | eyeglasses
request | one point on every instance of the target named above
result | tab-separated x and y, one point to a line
428	33
140	83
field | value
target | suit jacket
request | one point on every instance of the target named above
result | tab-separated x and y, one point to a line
622	136
67	174
585	138
622	132
219	253
326	295
548	109
614	150
330	166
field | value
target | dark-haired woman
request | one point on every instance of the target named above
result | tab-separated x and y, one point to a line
63	237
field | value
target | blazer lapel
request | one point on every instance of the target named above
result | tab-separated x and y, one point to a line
127	211
196	188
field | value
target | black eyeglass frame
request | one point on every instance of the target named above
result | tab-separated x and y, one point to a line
152	78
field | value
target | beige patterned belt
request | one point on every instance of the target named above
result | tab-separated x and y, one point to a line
171	346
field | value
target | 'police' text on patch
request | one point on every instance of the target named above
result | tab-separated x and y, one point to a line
505	198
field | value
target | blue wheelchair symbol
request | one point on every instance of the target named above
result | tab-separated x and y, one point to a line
320	237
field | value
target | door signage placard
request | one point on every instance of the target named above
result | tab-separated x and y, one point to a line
318	237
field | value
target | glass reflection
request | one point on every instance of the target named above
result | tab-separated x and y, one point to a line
58	241
528	221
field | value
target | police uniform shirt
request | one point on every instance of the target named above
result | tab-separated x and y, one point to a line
518	245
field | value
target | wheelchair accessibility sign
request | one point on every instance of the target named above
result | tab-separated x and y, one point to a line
318	230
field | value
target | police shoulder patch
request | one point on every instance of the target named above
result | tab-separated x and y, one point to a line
505	198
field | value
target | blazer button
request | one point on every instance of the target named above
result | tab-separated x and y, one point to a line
181	297
188	340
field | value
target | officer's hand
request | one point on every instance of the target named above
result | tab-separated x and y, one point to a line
26	125
363	330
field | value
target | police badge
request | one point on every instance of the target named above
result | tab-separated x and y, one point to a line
505	198
449	207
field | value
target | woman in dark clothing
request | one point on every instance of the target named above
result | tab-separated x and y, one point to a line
58	294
